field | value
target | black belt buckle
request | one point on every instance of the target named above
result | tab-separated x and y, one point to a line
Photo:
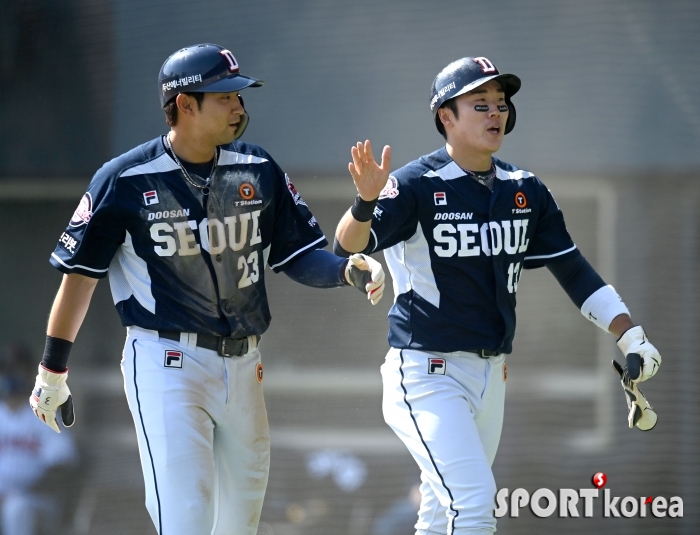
232	347
486	353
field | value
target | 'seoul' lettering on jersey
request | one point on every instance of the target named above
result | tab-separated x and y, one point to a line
490	239
214	235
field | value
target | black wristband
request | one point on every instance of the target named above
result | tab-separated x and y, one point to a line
56	353
363	210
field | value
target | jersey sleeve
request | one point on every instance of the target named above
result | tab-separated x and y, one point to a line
295	229
395	216
551	241
94	232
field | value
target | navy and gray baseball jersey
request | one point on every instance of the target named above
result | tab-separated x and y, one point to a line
456	251
179	260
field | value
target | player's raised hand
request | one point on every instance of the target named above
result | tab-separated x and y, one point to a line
367	275
643	359
369	176
50	393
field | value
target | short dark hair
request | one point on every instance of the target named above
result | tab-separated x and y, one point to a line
170	108
452	105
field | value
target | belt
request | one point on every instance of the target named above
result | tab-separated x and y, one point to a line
483	353
223	345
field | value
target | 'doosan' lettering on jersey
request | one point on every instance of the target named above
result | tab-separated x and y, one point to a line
214	235
470	239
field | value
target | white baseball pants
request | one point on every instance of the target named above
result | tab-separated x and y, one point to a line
202	431
448	410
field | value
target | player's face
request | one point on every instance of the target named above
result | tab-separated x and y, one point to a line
219	117
480	125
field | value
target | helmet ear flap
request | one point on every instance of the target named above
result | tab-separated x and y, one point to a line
510	122
243	123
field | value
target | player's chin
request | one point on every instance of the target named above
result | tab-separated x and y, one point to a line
492	143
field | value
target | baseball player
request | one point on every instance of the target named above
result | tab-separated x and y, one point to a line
31	456
184	226
457	227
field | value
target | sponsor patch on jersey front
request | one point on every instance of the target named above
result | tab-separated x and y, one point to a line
293	191
83	213
520	200
150	197
437	366
68	242
453	215
246	190
173	359
440	198
391	189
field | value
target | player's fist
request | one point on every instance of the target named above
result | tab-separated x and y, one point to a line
643	360
366	274
50	393
639	412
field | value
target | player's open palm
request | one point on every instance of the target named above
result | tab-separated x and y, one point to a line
369	176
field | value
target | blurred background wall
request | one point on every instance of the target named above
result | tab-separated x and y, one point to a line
608	117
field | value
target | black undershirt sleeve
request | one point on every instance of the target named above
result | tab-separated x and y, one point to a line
577	277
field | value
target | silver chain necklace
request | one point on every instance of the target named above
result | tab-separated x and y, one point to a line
481	178
205	186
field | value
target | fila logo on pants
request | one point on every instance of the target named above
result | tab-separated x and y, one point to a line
173	359
437	366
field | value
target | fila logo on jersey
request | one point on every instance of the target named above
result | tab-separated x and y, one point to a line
486	66
83	213
173	359
437	366
150	197
440	198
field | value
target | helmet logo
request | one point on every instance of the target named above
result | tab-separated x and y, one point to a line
232	63
486	66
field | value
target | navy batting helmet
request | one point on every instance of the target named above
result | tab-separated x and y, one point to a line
466	74
205	68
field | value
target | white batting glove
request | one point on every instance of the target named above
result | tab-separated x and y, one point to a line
366	274
643	359
50	393
639	412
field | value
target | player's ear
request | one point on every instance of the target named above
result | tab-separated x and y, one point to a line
184	104
444	115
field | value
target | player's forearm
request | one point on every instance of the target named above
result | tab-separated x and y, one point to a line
353	235
70	306
620	325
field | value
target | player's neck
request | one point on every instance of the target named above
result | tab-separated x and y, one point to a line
469	159
190	149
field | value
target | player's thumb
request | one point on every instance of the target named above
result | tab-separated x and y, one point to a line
68	412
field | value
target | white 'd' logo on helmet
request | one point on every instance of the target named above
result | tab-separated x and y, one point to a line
232	63
485	65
